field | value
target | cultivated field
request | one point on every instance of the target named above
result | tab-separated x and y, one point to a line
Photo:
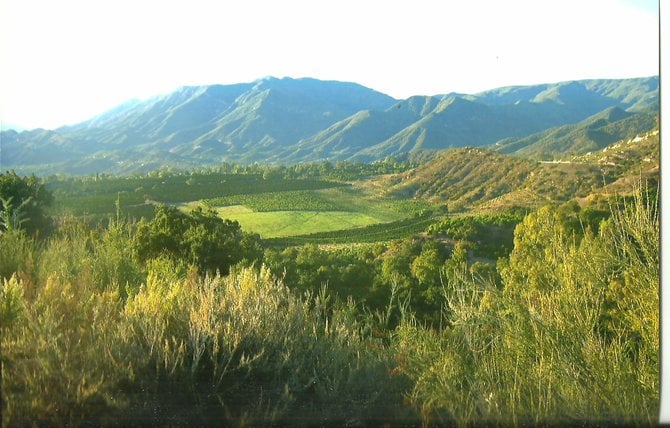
315	211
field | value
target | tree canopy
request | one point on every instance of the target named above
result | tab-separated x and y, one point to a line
22	202
200	237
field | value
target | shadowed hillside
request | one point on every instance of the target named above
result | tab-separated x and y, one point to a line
305	120
594	133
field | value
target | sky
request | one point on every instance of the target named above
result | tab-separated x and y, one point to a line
62	62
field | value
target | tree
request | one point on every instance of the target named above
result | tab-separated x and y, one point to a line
426	266
537	241
22	202
200	237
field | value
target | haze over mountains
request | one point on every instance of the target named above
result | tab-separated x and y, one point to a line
297	120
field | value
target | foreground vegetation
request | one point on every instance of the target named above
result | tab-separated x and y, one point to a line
184	318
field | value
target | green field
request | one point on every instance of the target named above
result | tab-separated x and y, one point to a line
277	208
308	212
276	224
374	232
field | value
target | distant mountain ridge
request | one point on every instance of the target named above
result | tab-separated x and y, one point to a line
593	133
297	120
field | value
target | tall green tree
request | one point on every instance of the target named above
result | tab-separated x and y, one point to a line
200	237
22	203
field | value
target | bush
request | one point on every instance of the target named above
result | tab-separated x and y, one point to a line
572	337
200	237
16	253
184	349
63	352
22	203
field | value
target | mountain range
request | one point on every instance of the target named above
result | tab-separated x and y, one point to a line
301	120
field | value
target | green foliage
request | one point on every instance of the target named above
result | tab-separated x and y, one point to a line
11	302
22	203
457	228
425	267
63	353
309	268
186	319
247	332
572	337
411	269
234	350
344	170
96	197
490	236
200	237
397	262
66	253
380	232
539	237
299	200
16	253
116	263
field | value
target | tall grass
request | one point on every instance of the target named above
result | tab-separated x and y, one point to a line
572	337
248	334
568	333
173	346
62	352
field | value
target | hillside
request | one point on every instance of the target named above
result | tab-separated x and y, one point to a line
594	133
627	162
199	125
463	176
630	94
480	178
297	120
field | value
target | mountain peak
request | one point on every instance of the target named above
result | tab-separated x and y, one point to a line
304	119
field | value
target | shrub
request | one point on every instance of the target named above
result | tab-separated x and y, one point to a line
200	237
22	203
17	253
63	352
187	349
571	338
247	347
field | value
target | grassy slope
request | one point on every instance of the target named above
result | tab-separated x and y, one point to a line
288	223
463	177
344	209
287	213
477	178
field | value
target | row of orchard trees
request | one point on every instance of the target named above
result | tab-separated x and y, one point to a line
177	320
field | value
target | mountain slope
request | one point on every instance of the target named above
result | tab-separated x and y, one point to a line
483	119
630	94
463	176
475	177
459	122
594	133
297	120
347	138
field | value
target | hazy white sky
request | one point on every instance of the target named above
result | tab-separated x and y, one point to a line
67	60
